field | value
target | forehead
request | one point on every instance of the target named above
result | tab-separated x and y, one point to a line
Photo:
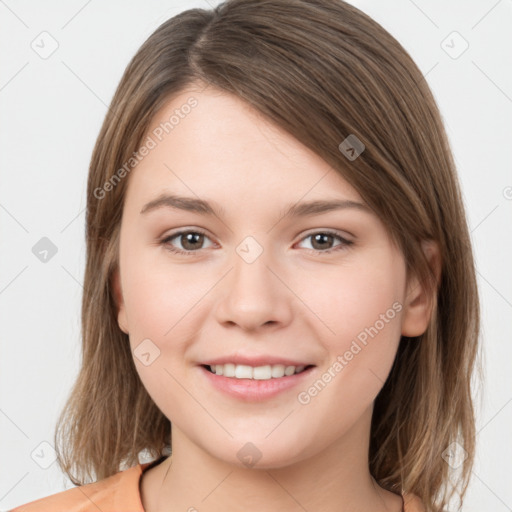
210	142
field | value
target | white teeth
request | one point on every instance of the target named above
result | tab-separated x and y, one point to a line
228	370
262	372
289	370
242	371
277	371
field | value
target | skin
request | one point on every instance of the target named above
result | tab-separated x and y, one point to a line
291	301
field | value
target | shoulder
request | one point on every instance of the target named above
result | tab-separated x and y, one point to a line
412	503
117	492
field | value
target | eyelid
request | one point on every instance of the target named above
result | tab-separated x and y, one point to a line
310	232
328	231
344	242
181	231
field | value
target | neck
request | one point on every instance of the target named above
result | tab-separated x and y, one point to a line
335	480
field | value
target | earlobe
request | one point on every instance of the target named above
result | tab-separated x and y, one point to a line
419	300
118	297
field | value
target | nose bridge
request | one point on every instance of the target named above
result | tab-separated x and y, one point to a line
251	277
250	249
254	296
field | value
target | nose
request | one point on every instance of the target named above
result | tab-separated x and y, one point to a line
254	294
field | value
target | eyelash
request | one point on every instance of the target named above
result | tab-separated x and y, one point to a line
344	242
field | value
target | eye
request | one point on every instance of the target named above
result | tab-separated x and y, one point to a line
321	240
190	241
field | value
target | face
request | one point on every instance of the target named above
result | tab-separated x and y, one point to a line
324	290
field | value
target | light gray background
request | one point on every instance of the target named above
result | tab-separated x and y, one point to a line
51	112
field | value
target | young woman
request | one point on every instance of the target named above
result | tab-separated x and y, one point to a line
279	273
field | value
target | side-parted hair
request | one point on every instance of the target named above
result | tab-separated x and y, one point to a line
321	70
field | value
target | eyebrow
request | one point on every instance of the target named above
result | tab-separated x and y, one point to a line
203	207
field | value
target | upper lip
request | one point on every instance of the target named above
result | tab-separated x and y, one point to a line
256	360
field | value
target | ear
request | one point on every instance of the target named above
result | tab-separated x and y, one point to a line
118	296
418	301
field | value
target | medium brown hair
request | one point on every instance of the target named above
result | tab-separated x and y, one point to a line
321	70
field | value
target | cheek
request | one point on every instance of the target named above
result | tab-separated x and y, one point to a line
160	305
350	299
362	306
158	296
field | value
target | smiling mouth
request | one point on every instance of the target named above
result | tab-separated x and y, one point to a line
266	372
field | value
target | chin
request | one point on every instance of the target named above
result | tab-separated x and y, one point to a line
260	454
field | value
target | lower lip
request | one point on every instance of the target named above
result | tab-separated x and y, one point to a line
252	389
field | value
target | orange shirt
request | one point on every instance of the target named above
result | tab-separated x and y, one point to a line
121	493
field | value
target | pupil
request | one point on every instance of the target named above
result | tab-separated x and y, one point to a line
191	238
321	237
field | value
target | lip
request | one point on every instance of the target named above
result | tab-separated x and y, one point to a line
256	360
253	390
